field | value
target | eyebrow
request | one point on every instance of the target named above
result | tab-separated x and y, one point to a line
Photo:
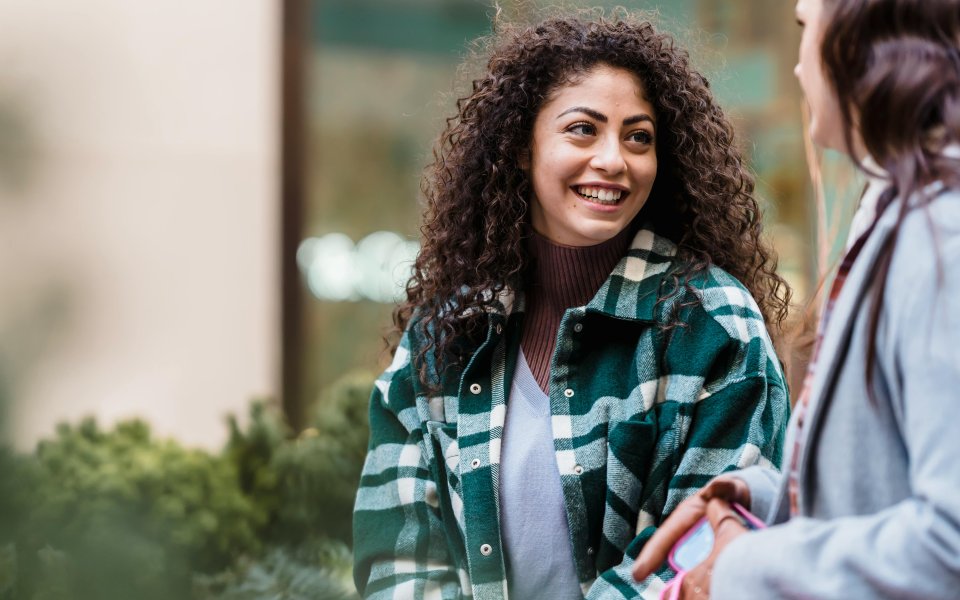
603	118
638	119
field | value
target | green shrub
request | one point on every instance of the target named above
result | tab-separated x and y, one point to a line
119	513
252	450
319	472
316	570
16	480
97	514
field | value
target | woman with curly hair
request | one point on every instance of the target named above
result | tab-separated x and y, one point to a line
581	347
869	504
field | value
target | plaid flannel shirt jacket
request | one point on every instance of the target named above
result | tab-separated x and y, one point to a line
642	417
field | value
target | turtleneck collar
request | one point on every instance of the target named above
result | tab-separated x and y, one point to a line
561	277
567	276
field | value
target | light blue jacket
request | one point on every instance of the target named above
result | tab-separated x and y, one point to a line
880	481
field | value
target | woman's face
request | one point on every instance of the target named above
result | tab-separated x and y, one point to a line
593	158
826	127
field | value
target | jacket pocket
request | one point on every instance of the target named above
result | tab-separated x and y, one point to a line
632	443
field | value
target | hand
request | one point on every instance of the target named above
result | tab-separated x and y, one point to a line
685	516
727	526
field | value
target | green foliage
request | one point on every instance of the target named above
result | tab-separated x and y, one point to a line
252	452
315	570
319	472
8	570
118	513
15	479
97	514
342	414
115	561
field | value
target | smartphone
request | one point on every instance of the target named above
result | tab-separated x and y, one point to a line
695	545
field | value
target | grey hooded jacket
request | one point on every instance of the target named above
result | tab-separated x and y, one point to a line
880	481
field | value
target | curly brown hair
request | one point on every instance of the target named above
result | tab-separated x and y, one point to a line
477	194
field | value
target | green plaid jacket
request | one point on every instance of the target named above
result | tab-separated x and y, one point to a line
642	417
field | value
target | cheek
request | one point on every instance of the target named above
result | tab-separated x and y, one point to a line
565	161
554	168
826	128
547	187
651	171
644	171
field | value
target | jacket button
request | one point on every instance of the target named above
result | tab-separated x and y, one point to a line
486	550
578	327
590	551
499	329
578	469
475	388
568	393
475	463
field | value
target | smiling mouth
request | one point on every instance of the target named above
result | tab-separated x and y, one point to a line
600	195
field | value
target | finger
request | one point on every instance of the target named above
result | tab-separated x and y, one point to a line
732	489
657	548
720	487
696	584
687	514
724	520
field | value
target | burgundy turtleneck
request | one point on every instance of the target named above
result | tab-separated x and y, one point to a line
561	277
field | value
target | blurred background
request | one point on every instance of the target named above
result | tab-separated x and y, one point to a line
207	211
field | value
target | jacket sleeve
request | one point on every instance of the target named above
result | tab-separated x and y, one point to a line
912	548
764	483
399	546
724	397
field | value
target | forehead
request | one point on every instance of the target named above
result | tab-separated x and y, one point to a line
601	83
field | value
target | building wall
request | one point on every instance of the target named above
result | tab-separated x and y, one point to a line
138	212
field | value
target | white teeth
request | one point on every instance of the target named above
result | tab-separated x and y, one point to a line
601	194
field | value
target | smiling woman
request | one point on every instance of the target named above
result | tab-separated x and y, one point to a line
583	340
593	158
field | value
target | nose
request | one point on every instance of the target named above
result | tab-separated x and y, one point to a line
608	156
796	71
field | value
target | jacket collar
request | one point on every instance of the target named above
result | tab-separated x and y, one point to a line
633	287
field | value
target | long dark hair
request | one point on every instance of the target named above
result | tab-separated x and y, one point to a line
477	194
895	68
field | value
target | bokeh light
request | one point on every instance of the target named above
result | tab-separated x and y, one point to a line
375	268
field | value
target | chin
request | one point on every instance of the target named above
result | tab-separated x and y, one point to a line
599	236
827	137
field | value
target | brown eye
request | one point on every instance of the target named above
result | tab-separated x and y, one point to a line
641	136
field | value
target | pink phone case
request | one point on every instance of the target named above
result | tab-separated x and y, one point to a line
672	590
751	519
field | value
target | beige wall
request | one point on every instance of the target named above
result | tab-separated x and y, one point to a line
138	238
